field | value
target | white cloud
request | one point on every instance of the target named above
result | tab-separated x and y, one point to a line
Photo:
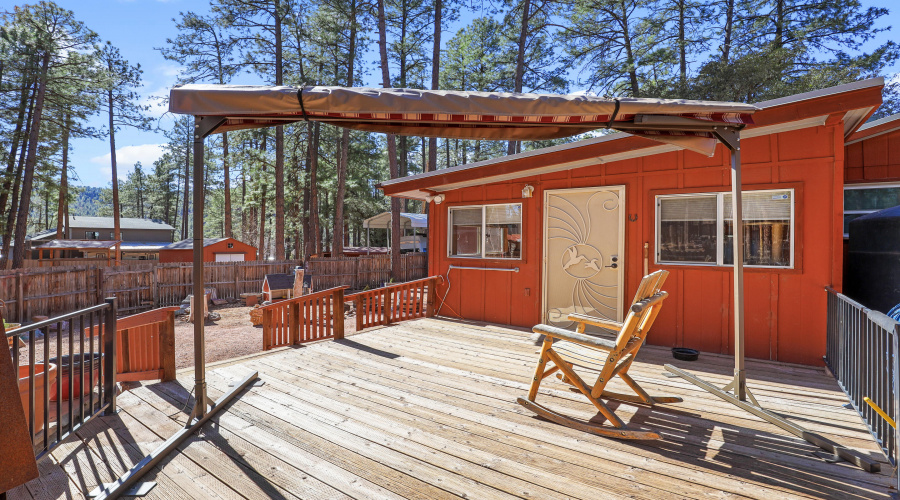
127	156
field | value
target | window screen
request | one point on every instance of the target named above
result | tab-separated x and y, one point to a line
687	229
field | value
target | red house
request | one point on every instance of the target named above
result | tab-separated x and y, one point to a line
214	250
532	237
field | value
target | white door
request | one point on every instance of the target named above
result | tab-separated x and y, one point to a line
229	257
584	247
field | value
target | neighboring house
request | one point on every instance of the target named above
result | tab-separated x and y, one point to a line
141	239
214	250
532	237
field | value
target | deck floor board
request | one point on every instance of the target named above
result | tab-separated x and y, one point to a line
426	409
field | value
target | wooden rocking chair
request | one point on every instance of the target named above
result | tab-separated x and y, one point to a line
564	355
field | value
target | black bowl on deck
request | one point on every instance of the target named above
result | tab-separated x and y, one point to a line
685	354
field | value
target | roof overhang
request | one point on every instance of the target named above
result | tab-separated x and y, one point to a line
854	102
875	128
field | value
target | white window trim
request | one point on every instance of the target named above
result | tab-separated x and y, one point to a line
483	231
720	229
867	185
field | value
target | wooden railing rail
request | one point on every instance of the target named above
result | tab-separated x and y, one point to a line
315	316
393	303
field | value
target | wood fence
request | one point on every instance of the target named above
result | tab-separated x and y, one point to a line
365	271
52	291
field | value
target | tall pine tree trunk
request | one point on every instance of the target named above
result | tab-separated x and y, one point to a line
63	179
337	248
435	79
279	143
514	146
17	137
187	190
117	231
28	179
313	241
227	174
392	148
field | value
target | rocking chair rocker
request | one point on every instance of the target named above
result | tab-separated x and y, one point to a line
570	351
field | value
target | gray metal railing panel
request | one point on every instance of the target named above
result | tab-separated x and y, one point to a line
59	399
861	351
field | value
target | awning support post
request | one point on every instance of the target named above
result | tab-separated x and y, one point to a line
203	126
730	137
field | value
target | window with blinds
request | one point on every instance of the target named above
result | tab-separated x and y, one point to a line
687	229
698	228
488	231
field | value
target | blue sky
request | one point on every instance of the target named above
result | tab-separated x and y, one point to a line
137	27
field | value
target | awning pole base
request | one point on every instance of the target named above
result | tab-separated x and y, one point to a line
126	481
852	456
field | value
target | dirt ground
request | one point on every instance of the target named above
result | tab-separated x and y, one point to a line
230	337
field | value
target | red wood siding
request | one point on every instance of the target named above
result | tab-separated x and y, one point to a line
785	308
876	159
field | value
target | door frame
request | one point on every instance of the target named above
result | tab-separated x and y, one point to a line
620	189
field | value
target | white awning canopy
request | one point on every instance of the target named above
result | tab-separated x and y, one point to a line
407	221
461	115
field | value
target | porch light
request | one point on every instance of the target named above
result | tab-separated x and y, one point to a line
436	199
527	191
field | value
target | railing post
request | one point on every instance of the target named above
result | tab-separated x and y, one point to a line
360	312
167	347
338	312
109	359
430	299
387	306
294	322
267	329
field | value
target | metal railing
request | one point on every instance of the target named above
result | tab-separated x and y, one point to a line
861	351
59	393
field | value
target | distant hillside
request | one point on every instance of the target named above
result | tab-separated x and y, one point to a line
88	202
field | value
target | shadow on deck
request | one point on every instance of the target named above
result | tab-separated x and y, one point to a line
426	409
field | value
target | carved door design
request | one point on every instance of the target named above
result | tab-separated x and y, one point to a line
584	243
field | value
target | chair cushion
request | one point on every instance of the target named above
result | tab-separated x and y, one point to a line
581	338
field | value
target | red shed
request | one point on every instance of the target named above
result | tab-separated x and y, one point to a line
214	250
531	237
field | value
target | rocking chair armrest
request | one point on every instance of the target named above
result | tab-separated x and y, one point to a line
578	338
607	324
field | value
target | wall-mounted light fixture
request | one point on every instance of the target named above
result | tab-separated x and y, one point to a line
527	191
436	199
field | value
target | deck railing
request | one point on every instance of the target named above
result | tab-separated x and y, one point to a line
862	352
315	316
393	303
59	393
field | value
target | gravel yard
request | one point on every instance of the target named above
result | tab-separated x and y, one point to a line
229	337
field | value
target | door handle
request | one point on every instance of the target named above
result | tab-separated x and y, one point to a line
613	265
615	262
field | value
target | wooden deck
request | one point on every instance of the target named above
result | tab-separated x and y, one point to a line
426	409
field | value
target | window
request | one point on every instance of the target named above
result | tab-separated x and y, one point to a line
867	198
92	235
698	229
487	232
